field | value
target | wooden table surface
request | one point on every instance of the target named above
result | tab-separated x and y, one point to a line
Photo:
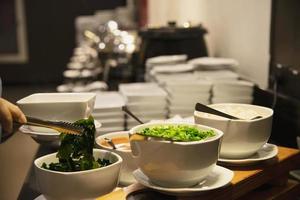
271	174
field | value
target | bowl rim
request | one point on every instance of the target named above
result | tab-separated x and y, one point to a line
119	161
24	100
219	133
271	112
112	134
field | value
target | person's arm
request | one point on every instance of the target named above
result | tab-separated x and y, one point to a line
9	113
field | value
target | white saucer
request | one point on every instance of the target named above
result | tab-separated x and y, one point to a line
219	177
266	152
51	138
295	174
42	197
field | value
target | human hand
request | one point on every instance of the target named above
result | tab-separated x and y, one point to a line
9	113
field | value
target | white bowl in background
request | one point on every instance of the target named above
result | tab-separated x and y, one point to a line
68	107
86	184
242	138
128	165
176	164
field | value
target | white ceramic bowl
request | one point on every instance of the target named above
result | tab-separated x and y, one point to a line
57	106
176	164
242	138
78	185
128	165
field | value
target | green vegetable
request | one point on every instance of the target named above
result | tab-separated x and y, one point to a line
76	151
177	133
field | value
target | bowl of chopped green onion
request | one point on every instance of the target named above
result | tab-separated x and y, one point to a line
175	154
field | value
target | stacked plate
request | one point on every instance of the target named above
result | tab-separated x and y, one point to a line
217	75
161	73
163	60
232	92
108	111
183	95
163	79
146	100
211	63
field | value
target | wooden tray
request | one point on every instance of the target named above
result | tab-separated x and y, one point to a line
246	179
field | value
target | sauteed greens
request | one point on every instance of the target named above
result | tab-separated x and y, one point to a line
182	133
76	151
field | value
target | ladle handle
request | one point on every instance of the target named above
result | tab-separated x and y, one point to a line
125	109
203	108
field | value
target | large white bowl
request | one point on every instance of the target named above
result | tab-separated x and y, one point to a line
128	165
57	106
176	164
78	185
242	138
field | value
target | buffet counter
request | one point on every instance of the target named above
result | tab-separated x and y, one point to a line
267	180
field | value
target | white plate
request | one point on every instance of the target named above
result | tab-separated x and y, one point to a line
108	115
295	174
42	197
46	137
266	152
142	89
214	63
165	69
217	75
166	59
109	101
219	177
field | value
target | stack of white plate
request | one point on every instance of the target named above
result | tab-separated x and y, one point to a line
211	63
108	111
162	79
217	75
183	95
146	100
232	92
161	73
163	60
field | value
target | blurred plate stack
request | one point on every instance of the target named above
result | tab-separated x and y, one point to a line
146	100
164	73
232	92
108	111
163	60
183	95
163	79
212	63
217	75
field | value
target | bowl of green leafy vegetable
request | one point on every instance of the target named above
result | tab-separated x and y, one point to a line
77	170
175	154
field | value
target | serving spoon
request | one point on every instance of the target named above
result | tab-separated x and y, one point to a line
203	108
137	136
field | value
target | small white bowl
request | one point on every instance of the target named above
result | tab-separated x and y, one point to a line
242	138
176	164
68	107
86	184
128	165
